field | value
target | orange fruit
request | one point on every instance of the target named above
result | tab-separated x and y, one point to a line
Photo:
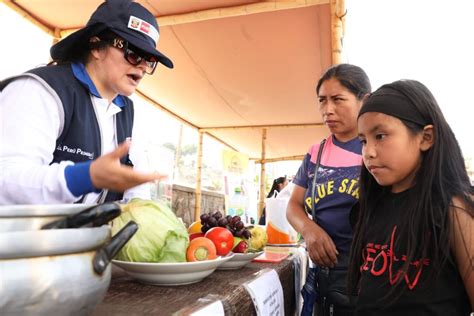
276	236
195	227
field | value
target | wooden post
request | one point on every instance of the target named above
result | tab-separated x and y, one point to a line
261	202
57	35
197	206
337	30
226	12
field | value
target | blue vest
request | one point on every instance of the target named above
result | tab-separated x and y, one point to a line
80	139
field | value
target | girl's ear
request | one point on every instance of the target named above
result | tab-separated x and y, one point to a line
362	100
427	138
365	97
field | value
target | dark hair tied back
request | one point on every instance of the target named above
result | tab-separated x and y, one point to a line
352	77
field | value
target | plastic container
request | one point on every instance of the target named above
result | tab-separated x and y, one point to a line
238	204
279	230
161	160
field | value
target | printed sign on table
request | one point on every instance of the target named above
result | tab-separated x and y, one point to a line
267	294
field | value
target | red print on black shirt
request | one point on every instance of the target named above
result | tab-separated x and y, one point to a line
378	258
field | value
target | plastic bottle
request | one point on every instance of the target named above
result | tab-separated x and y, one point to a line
237	205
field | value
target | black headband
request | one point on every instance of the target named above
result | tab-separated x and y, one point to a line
390	101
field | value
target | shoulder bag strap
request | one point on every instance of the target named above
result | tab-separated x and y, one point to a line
316	167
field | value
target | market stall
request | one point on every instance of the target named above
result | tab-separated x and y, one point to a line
129	297
248	69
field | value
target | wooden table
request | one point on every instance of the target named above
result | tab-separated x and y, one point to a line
127	297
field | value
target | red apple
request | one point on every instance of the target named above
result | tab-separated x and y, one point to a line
195	235
241	247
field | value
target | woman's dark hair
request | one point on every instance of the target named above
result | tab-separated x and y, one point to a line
275	186
84	46
441	177
352	77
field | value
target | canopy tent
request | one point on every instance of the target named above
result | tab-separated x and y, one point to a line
245	70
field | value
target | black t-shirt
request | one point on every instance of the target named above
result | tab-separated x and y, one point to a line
384	253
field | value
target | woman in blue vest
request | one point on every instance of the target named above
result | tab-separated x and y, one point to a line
66	127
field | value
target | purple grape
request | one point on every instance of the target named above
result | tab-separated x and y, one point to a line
205	228
204	217
212	221
247	234
239	233
222	222
239	225
234	220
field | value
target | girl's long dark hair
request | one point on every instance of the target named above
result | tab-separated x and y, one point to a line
441	177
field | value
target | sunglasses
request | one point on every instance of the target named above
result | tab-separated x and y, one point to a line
135	56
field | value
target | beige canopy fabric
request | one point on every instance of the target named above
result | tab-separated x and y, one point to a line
240	65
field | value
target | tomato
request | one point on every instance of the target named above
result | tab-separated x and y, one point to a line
222	239
200	249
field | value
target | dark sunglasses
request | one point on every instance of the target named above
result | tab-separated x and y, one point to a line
135	56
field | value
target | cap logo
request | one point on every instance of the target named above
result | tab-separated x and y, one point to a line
144	27
118	43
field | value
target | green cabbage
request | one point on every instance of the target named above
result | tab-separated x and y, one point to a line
161	236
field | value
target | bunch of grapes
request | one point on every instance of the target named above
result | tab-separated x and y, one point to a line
232	223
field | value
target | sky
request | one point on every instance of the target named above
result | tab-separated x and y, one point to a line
430	41
427	40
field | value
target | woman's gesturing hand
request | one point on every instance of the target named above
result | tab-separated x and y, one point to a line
107	172
320	246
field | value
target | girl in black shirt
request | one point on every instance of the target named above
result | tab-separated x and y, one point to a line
414	239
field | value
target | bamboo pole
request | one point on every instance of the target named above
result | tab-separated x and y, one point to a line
197	206
262	176
253	8
337	30
259	160
227	12
57	35
302	125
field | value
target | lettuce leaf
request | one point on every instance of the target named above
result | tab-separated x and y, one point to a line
161	236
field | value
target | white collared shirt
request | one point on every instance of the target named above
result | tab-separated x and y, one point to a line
25	153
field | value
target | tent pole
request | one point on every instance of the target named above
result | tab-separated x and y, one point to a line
298	157
226	12
337	29
197	206
262	177
246	9
221	128
57	35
